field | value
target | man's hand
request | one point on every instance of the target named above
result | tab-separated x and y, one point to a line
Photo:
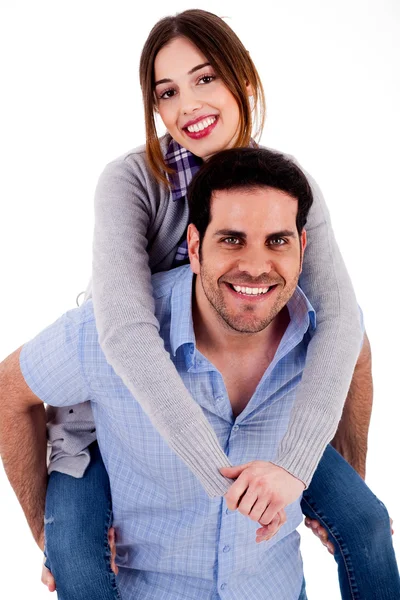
113	548
48	579
261	490
320	532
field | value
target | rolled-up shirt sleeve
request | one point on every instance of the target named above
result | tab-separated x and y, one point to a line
51	362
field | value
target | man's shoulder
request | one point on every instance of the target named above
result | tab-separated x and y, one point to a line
77	323
165	281
82	316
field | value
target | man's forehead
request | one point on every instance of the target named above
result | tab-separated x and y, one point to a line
255	206
247	194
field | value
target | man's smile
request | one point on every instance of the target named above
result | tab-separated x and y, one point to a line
251	292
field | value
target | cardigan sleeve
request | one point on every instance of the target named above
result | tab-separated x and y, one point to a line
129	331
332	352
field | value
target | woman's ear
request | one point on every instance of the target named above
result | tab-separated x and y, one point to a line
249	88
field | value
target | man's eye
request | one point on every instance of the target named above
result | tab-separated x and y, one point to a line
276	242
231	241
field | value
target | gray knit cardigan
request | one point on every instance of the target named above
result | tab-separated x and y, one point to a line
137	231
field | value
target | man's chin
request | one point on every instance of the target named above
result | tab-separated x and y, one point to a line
247	326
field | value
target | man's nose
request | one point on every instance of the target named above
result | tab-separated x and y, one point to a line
255	262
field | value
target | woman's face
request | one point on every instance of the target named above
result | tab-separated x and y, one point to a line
196	107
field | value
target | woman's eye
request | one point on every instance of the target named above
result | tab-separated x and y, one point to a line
206	79
167	94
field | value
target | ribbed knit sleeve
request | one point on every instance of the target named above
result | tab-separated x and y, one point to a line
125	219
131	229
332	352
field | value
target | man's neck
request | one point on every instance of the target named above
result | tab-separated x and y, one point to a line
214	336
241	358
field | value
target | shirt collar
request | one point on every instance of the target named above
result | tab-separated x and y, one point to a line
302	314
301	311
182	331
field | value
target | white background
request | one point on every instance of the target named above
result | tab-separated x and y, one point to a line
71	102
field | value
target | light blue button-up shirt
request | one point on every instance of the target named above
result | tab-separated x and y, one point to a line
174	542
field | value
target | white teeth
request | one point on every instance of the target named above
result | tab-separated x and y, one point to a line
201	125
250	291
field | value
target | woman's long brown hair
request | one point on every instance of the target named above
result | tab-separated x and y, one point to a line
225	53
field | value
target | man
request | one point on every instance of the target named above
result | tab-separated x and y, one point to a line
237	332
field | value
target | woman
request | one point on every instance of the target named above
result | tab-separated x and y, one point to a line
141	217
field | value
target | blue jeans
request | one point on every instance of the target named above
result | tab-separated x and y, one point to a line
77	518
303	595
359	527
78	515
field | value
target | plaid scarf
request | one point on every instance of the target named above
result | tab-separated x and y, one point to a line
185	166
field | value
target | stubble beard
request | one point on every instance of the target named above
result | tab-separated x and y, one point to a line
240	322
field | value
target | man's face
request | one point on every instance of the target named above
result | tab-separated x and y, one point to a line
250	258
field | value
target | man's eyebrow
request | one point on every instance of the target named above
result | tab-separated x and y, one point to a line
284	233
230	233
243	235
196	68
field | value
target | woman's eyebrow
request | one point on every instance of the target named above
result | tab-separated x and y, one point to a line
206	64
196	68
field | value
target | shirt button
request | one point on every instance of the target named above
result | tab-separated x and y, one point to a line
226	549
219	398
227	511
235	427
223	586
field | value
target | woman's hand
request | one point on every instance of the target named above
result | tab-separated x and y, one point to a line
261	491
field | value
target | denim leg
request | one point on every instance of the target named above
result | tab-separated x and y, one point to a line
358	525
77	518
303	595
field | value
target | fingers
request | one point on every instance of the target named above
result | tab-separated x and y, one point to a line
235	494
234	472
249	506
271	511
113	549
48	579
256	512
252	502
268	531
321	533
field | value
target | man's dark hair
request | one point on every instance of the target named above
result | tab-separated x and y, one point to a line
246	168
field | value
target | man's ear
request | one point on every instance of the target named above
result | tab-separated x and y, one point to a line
193	242
303	244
